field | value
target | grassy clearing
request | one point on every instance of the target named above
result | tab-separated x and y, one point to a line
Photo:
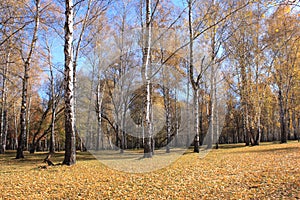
269	171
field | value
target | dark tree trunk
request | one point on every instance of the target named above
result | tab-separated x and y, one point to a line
32	148
22	136
53	108
288	126
122	141
294	123
245	130
257	138
197	122
283	134
298	130
147	148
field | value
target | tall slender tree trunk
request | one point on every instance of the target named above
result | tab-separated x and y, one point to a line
28	120
176	118
123	101
23	117
22	136
244	103
283	134
197	121
195	84
294	120
88	134
217	126
117	135
282	111
188	108
245	130
257	82
70	140
288	125
123	133
167	106
201	123
53	108
99	98
259	132
15	138
76	51
298	130
212	84
212	110
3	129
148	146
148	141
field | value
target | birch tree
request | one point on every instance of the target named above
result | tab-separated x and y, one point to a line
70	141
3	129
52	98
284	47
27	63
195	81
197	27
91	11
216	39
100	90
146	74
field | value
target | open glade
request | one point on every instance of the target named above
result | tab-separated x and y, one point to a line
269	171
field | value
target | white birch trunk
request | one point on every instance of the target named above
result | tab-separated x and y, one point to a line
15	139
148	150
195	84
99	144
3	131
28	121
70	141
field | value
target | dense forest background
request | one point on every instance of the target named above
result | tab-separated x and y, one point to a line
148	74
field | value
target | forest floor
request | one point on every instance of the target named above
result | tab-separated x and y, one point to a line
269	171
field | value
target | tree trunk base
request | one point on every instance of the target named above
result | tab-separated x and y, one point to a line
168	150
148	155
20	154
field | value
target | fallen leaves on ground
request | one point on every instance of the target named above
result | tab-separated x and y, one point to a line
270	171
